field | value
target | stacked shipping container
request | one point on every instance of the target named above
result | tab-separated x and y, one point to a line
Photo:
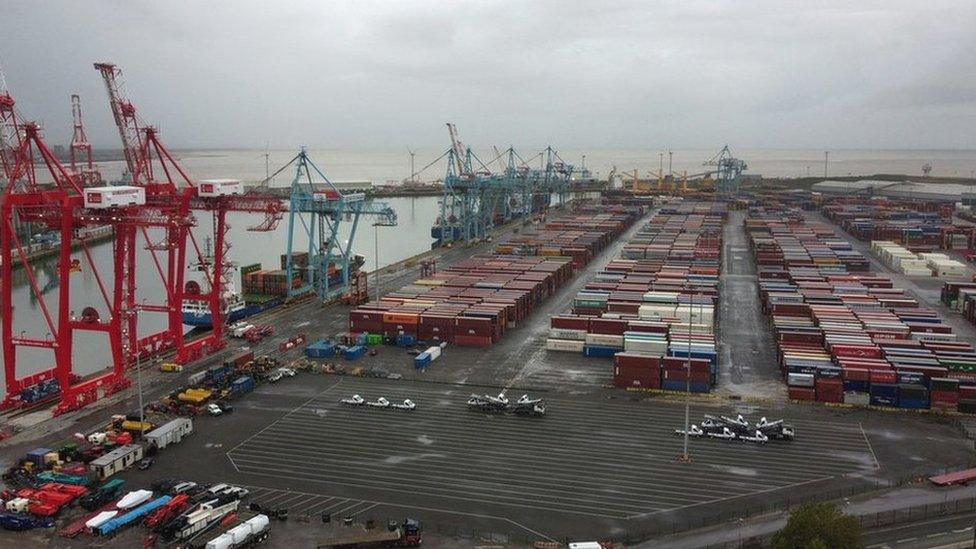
846	334
652	309
473	302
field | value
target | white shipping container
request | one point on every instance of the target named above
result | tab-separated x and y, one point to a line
435	352
99	198
220	187
857	399
563	333
605	340
800	380
572	346
643	345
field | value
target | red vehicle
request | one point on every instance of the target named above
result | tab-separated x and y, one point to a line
53	498
73	490
162	515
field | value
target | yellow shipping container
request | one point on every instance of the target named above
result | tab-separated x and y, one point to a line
136	426
170	367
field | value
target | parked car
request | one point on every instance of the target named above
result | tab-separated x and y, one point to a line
183	487
146	463
213	409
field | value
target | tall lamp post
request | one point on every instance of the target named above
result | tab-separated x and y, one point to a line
376	253
125	338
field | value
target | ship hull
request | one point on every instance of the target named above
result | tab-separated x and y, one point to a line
205	320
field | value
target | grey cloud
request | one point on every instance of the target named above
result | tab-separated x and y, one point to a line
578	73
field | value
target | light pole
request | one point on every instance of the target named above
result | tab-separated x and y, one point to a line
670	157
826	155
660	169
376	255
412	155
125	345
691	317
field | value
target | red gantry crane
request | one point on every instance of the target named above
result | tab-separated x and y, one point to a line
153	167
39	189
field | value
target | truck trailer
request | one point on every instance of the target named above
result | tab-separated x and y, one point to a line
252	531
170	432
405	534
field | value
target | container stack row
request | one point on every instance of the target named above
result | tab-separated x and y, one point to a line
653	309
475	301
581	236
919	226
850	336
922	264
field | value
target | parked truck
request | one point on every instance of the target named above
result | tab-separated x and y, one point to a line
405	534
252	531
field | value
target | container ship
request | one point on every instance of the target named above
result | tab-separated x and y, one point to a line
263	290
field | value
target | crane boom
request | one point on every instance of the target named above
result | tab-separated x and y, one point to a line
10	135
124	113
458	148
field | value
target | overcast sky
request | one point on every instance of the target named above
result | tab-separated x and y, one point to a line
588	73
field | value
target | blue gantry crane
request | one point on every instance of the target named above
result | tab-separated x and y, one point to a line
475	199
316	210
728	171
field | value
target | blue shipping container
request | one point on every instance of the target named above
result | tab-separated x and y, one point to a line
405	340
593	350
857	385
322	348
913	403
241	385
679	385
422	360
352	353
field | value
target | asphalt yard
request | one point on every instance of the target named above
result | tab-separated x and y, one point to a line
592	459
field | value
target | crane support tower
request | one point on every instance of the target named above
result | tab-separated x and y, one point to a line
316	211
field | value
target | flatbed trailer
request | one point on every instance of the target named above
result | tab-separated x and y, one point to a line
357	535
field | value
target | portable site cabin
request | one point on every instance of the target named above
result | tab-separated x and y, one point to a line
116	461
171	432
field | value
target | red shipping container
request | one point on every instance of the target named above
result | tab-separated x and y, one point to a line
803	393
645	377
570	322
608	326
682	375
698	365
830	390
472	341
944	397
856	351
881	376
637	359
857	374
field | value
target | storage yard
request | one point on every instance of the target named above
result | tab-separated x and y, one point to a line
773	305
